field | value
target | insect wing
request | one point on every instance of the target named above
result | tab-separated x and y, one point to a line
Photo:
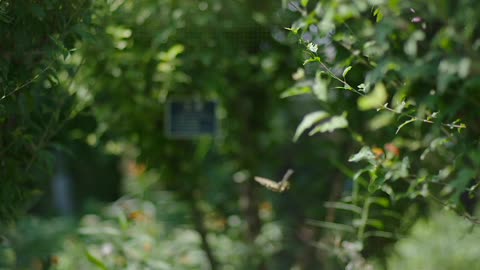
272	185
284	185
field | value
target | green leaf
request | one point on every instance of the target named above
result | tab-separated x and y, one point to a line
332	124
345	72
203	146
464	67
375	99
384	202
376	223
411	46
304	3
331	225
405	123
293	29
122	221
308	121
320	88
172	53
376	181
364	154
295	91
378	14
357	177
382	234
380	120
344	206
96	261
312	60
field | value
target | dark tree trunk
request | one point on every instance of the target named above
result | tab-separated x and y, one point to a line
198	220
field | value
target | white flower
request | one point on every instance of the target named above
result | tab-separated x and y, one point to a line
106	249
312	47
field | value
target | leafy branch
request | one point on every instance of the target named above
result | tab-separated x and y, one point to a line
48	134
27	83
347	86
415	118
467	216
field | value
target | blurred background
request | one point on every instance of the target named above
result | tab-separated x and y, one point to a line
372	104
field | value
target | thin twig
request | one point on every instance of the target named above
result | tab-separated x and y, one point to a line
414	118
385	107
46	134
467	216
5	95
341	80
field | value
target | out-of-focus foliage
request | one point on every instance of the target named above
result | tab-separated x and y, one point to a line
444	241
31	242
403	75
384	105
35	102
154	232
147	52
137	55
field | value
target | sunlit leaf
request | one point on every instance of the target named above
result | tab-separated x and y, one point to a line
331	225
295	91
374	99
464	67
345	72
381	201
381	120
376	223
308	121
336	122
96	261
320	88
344	206
364	154
312	60
293	29
378	14
411	46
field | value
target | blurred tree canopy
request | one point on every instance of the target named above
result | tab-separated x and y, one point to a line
231	52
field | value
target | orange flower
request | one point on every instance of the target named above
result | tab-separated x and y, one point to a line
390	147
147	247
378	152
137	216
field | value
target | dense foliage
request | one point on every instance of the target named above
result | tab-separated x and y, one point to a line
35	101
229	52
403	75
386	94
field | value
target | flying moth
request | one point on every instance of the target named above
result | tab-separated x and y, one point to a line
281	186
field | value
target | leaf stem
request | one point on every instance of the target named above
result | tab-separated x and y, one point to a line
5	95
414	118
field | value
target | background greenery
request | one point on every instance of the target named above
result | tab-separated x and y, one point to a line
372	103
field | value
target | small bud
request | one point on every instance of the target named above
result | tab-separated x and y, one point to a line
416	20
